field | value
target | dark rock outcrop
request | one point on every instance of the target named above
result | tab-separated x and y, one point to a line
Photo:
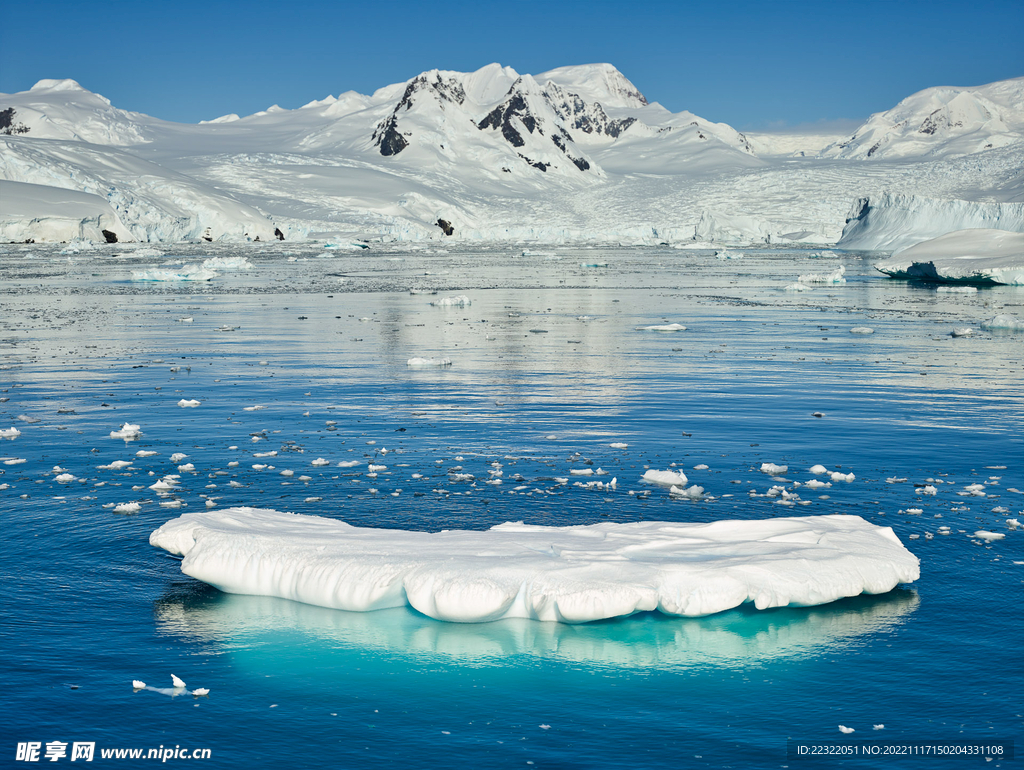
446	226
110	236
278	234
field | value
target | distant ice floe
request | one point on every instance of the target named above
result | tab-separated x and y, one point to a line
11	433
227	263
665	478
185	273
662	328
836	276
862	330
415	362
1003	322
188	403
460	301
962	331
568	574
964	256
818	469
773	470
797	287
127	508
128	432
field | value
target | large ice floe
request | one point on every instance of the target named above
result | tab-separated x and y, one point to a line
964	256
513	570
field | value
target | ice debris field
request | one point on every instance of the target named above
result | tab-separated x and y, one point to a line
513	570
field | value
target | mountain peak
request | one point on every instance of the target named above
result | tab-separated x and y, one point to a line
65	84
597	83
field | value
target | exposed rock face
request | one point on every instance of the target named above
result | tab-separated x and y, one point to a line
110	236
278	234
387	136
445	226
7	124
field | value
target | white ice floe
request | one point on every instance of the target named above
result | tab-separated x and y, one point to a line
773	470
837	476
927	489
691	493
460	301
349	463
185	273
177	457
815	484
665	478
845	730
569	574
255	408
957	289
320	461
227	263
188	403
962	331
145	453
127	508
968	256
581	471
200	691
429	362
984	534
11	432
862	330
797	287
64	478
177	682
128	432
376	468
836	276
1003	322
618	445
186	468
14	460
116	465
662	328
818	469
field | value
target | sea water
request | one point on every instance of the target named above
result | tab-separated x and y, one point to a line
301	355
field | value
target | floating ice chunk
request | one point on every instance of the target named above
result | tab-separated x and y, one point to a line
127	508
984	534
797	287
14	460
773	470
128	432
958	289
983	255
176	681
227	263
665	478
815	484
845	730
862	330
662	328
116	465
818	469
836	276
701	467
1003	322
895	480
460	301
186	273
187	403
64	478
376	468
349	463
928	489
177	457
429	362
254	408
518	570
145	453
693	493
11	432
837	476
138	684
581	471
962	331
877	727
201	691
618	445
186	468
186	320
320	461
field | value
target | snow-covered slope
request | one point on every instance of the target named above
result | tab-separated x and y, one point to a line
31	212
576	153
965	256
941	121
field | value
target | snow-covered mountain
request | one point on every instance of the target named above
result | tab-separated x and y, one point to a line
575	153
941	122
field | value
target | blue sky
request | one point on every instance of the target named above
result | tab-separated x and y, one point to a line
751	64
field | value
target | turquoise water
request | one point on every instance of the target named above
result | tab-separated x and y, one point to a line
548	370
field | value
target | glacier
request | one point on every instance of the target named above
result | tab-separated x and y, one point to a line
569	574
576	154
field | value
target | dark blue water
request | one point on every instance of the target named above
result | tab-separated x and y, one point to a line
548	370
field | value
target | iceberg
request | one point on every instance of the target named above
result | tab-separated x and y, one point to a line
567	574
1003	322
836	276
187	273
965	256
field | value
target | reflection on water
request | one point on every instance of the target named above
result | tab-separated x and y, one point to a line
648	641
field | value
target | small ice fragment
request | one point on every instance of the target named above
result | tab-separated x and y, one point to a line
926	490
818	469
545	727
200	691
877	727
862	330
1003	322
662	328
551	437
64	478
701	467
176	681
836	276
984	534
188	403
177	457
116	465
376	468
128	432
138	684
837	476
145	453
429	362
618	445
349	463
773	470
186	468
11	433
320	461
962	331
127	508
665	478
254	408
581	471
693	493
797	287
460	301
845	730
15	460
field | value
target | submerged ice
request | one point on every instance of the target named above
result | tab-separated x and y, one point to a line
568	574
